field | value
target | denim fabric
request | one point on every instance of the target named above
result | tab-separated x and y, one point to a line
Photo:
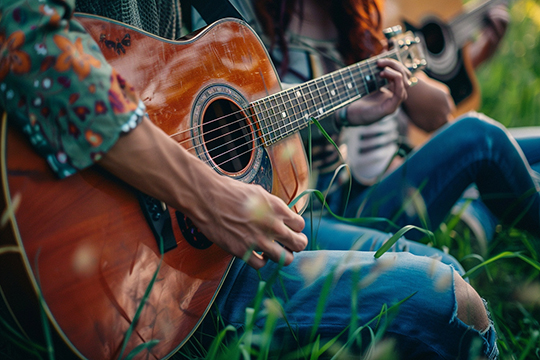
476	211
471	150
424	327
330	234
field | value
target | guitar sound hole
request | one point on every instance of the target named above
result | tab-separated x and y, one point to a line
228	136
434	37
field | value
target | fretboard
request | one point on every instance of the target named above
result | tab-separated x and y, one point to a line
291	110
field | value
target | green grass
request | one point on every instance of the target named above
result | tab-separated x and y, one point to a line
510	82
507	275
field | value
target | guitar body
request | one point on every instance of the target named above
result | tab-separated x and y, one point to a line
83	242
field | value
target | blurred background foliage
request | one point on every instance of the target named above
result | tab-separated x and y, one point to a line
510	81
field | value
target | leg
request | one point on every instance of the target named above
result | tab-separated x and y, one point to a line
475	213
471	150
362	284
330	234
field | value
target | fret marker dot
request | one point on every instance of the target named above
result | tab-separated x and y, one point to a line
284	114
349	85
321	111
368	77
298	94
333	92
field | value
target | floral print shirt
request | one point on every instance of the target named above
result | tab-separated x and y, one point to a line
57	87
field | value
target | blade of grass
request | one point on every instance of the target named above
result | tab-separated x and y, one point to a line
503	255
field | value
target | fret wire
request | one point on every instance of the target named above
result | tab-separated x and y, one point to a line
275	110
345	86
290	111
373	75
279	114
353	81
303	104
288	131
362	76
269	112
338	90
295	109
312	103
263	117
345	95
261	121
320	109
330	91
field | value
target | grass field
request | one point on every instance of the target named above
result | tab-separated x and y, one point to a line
507	274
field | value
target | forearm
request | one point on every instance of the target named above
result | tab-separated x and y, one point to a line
493	32
149	160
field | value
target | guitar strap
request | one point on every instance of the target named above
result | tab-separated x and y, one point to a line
212	11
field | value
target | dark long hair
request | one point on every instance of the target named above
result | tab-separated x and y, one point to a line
358	23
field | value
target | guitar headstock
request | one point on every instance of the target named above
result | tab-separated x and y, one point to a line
407	46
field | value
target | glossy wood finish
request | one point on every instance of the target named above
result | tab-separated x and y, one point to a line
84	239
169	76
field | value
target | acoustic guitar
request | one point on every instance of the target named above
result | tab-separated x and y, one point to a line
445	28
87	247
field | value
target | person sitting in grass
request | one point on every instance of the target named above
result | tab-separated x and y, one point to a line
321	295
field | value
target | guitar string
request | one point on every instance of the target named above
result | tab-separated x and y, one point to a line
287	105
269	98
314	112
317	114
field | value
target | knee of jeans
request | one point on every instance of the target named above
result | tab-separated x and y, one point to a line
479	129
470	306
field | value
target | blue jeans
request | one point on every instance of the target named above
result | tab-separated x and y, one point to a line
475	210
472	150
424	326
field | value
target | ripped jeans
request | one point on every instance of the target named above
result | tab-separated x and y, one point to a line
350	290
423	326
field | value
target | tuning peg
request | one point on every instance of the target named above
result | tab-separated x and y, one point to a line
392	31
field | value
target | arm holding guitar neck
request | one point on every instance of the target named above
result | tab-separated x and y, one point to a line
485	46
222	208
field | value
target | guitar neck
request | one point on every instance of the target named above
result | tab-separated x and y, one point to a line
472	20
291	110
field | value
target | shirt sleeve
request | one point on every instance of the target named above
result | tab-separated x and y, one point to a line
57	86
